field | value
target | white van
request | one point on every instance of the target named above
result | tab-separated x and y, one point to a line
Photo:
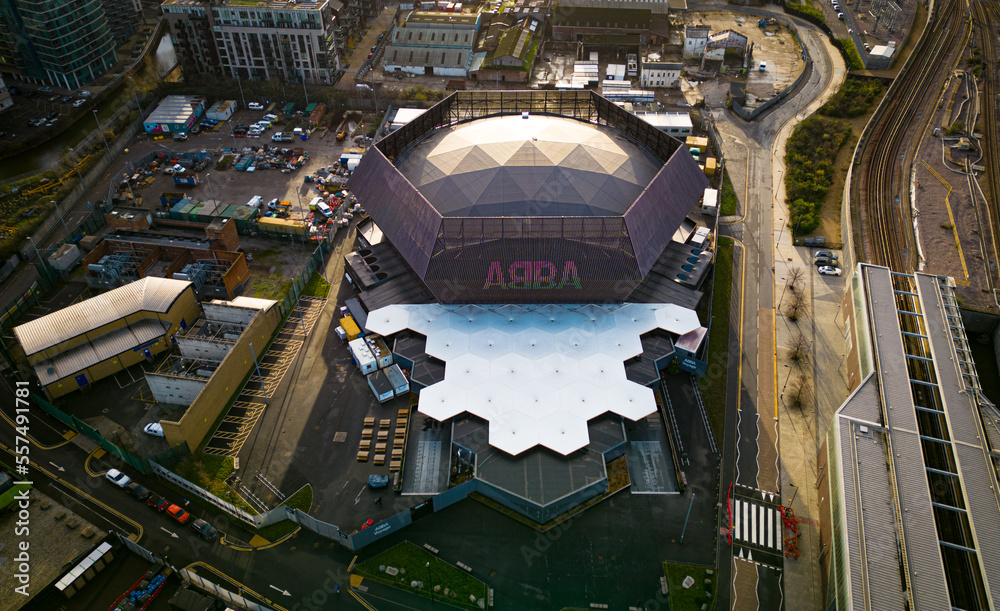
315	201
763	66
255	201
323	209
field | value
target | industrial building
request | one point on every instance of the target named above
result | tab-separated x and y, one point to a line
908	470
657	7
658	74
74	347
530	273
175	114
507	50
63	44
432	43
677	124
266	40
573	25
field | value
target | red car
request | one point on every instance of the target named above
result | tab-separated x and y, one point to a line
367	523
158	503
178	514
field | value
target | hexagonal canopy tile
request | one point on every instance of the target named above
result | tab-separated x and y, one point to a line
555	318
514	433
597	318
620	346
676	319
429	318
489	343
532	343
447	344
602	369
511	312
557	370
489	400
535	400
635	318
512	370
442	400
469	371
584	400
563	433
631	400
575	343
472	318
388	320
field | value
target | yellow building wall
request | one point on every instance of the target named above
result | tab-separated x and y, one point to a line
199	418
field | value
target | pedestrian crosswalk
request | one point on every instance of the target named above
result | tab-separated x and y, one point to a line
757	525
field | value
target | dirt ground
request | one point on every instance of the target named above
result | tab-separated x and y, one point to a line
954	231
774	44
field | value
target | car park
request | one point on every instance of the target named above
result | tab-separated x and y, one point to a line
178	513
138	491
154	428
204	530
158	503
255	106
828	270
117	478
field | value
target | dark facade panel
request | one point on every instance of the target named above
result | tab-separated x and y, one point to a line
402	213
654	217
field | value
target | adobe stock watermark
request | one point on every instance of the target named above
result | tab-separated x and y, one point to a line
22	526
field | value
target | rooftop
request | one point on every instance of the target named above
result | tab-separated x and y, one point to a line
146	295
535	166
536	373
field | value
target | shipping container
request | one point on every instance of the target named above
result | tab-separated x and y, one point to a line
362	355
710	202
400	385
381	386
351	327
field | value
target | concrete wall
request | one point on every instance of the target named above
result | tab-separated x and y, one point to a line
195	348
174	390
199	418
226	313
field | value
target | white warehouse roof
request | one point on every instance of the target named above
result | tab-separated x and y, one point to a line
149	294
536	373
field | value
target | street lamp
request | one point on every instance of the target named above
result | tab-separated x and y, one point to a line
101	129
59	212
210	190
304	87
230	122
77	164
239	82
430	582
37	252
134	97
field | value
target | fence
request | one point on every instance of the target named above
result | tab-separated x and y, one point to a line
221	593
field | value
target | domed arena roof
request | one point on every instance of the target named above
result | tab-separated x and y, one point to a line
535	166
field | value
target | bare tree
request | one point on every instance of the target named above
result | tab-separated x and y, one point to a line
796	306
795	278
798	392
799	349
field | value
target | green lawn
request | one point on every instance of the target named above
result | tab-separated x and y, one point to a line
211	473
412	561
713	385
694	597
316	287
730	205
301	500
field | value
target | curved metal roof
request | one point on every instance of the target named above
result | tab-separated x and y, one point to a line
534	166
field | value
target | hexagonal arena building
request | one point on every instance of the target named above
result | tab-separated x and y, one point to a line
528	196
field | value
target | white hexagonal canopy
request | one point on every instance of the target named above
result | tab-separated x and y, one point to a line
537	374
506	166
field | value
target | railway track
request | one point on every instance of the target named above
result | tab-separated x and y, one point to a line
901	119
986	15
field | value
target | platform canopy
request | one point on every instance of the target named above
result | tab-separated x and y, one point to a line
535	373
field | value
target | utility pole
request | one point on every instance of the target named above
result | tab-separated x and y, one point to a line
101	129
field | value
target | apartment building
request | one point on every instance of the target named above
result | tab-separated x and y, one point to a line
64	43
262	40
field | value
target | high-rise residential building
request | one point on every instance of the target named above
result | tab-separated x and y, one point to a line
123	17
65	43
5	100
257	40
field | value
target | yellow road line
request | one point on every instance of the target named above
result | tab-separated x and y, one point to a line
133	536
242	586
951	219
97	453
67	436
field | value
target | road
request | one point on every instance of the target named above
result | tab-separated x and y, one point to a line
751	460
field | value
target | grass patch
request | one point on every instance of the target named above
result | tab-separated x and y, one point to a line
211	472
850	53
713	387
698	594
806	10
412	562
853	99
809	157
617	474
301	500
316	287
730	204
274	287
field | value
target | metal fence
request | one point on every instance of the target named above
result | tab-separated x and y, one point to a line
221	593
241	515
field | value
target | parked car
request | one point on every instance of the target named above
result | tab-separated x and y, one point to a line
79	103
178	513
117	478
65	99
138	491
271	118
840	16
367	523
154	428
825	261
826	253
255	106
158	503
204	530
828	270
